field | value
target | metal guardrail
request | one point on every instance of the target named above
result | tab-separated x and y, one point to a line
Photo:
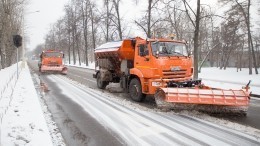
6	92
255	95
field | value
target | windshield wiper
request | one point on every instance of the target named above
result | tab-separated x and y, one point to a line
179	53
166	52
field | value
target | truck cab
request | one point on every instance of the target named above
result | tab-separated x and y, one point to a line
161	63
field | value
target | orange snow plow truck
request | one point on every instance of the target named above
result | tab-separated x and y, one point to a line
52	61
163	68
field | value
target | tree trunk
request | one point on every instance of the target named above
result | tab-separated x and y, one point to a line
149	19
250	42
221	65
240	57
78	49
196	41
227	58
85	31
92	28
257	54
69	45
73	44
209	52
3	58
107	19
250	37
119	29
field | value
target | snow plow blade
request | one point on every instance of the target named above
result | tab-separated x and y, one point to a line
58	69
209	100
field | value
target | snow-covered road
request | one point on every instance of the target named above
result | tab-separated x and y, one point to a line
148	126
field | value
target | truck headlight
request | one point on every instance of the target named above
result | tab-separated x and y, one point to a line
156	84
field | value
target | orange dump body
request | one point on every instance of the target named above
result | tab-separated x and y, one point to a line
119	50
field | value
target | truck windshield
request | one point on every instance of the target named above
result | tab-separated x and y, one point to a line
53	54
168	49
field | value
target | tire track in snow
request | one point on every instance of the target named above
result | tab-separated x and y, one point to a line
146	127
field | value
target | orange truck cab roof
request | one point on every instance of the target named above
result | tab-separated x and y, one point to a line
124	49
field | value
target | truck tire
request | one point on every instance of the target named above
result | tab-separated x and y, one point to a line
135	90
101	84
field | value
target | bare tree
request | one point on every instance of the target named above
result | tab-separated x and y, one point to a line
85	25
176	19
246	14
148	20
93	28
77	31
231	39
243	9
68	28
10	24
107	18
117	22
85	20
196	25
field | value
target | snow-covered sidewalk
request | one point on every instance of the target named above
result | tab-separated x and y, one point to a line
22	119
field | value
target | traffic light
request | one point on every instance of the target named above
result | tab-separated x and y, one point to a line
17	39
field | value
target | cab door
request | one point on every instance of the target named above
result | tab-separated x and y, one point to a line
142	58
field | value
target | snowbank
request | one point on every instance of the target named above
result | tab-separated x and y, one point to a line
230	78
83	65
22	121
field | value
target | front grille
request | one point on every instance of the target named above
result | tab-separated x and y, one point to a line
168	74
53	63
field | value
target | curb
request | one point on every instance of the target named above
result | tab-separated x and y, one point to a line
255	95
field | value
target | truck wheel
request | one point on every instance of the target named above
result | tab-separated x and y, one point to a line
135	90
101	84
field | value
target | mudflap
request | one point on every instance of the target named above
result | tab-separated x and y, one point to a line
206	100
64	70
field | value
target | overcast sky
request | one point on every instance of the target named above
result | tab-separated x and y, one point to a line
37	24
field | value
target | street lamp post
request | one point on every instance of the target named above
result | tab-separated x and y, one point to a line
23	44
23	49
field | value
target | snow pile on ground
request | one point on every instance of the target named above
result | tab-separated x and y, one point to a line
91	65
22	121
230	78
